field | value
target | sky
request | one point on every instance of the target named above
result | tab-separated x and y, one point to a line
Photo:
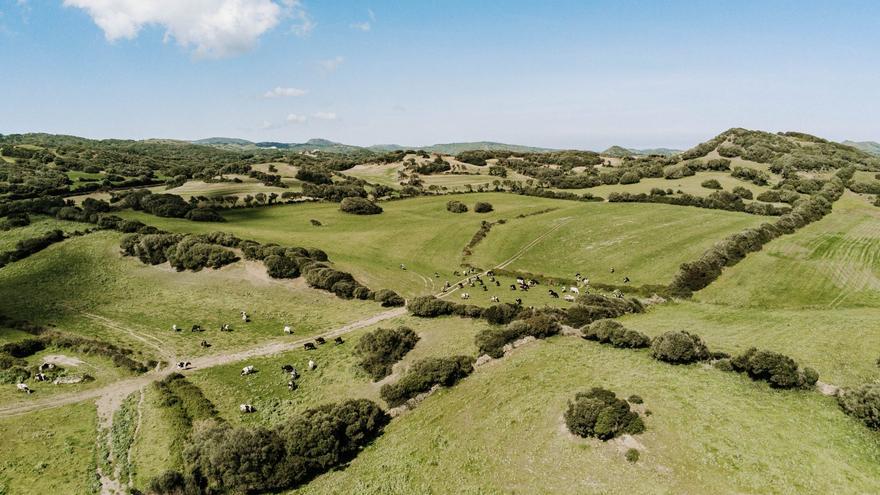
563	74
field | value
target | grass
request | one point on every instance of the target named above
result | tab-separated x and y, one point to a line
501	431
646	243
337	376
122	434
241	189
153	450
39	226
51	451
86	287
690	185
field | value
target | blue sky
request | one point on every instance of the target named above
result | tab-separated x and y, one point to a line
572	74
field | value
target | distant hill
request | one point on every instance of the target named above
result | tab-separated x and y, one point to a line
332	146
455	148
223	140
871	147
620	152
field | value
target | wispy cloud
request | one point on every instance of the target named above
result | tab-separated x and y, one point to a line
296	119
365	25
324	115
280	92
211	28
303	23
331	64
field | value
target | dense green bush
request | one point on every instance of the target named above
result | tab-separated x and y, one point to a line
711	184
164	205
425	374
204	215
388	298
779	370
430	307
359	206
630	177
501	314
612	332
679	348
27	247
862	403
192	253
15	220
491	341
592	307
482	207
742	192
314	174
281	266
456	207
750	175
379	350
599	413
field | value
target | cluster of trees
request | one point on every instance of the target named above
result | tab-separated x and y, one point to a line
693	276
778	370
492	340
456	207
335	192
424	375
862	403
47	205
591	307
435	166
222	458
609	331
756	177
27	247
314	174
711	184
718	200
679	348
182	251
432	307
599	413
388	298
483	207
779	196
379	350
480	234
359	206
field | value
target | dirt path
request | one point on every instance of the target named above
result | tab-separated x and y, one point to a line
147	339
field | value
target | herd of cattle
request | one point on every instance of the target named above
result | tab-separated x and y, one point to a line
570	293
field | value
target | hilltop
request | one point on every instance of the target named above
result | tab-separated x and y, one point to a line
620	152
871	147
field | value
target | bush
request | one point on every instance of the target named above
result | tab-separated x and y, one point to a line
611	332
481	207
679	348
501	314
635	399
359	206
599	413
742	192
779	370
15	220
204	215
862	403
281	266
168	483
389	299
193	253
632	455
711	184
491	341
27	247
430	307
379	350
630	177
592	307
425	374
314	174
456	207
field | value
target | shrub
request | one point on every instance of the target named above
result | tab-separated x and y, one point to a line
281	266
491	341
314	174
501	314
359	206
711	184
430	307
204	215
862	403
389	299
612	332
425	374
779	370
168	483
599	413
635	399
592	307
632	455
630	177
679	348
15	220
482	207
742	192
379	350
456	207
193	253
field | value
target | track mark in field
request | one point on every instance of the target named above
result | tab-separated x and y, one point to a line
110	397
147	339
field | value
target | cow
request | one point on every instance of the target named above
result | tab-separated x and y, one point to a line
40	377
626	280
247	370
402	266
518	301
183	365
309	346
520	281
174	328
569	298
225	328
247	408
291	385
495	299
288	330
24	388
575	290
490	273
320	341
612	269
465	295
485	289
497	284
338	341
245	318
196	328
287	368
553	293
205	344
312	365
618	294
47	366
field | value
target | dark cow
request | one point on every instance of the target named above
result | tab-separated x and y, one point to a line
309	346
512	287
554	294
196	328
287	368
291	385
320	341
338	341
205	344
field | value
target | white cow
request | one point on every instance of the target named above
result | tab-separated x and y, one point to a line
246	408
24	388
575	290
465	295
312	365
247	370
568	298
287	329
174	327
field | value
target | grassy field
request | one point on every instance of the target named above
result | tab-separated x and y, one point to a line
86	287
51	451
153	451
689	185
241	189
39	225
646	243
501	431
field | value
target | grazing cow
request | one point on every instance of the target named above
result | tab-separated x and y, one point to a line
196	328
247	370
612	269
47	366
226	328
626	280
312	365
40	377
495	299
497	284
247	408
569	298
309	346
338	341
585	281
402	266
518	301
288	330
533	282
465	295
436	275
564	289
24	388
554	294
205	344
447	286
575	290
485	289
287	368
460	285
174	328
320	341
520	281
490	273
183	365
291	385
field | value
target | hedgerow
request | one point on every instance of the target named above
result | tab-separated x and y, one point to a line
778	370
425	374
380	349
679	348
599	413
612	332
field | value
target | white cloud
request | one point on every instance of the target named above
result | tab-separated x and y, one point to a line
332	64
361	26
324	115
280	92
304	24
296	119
211	28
